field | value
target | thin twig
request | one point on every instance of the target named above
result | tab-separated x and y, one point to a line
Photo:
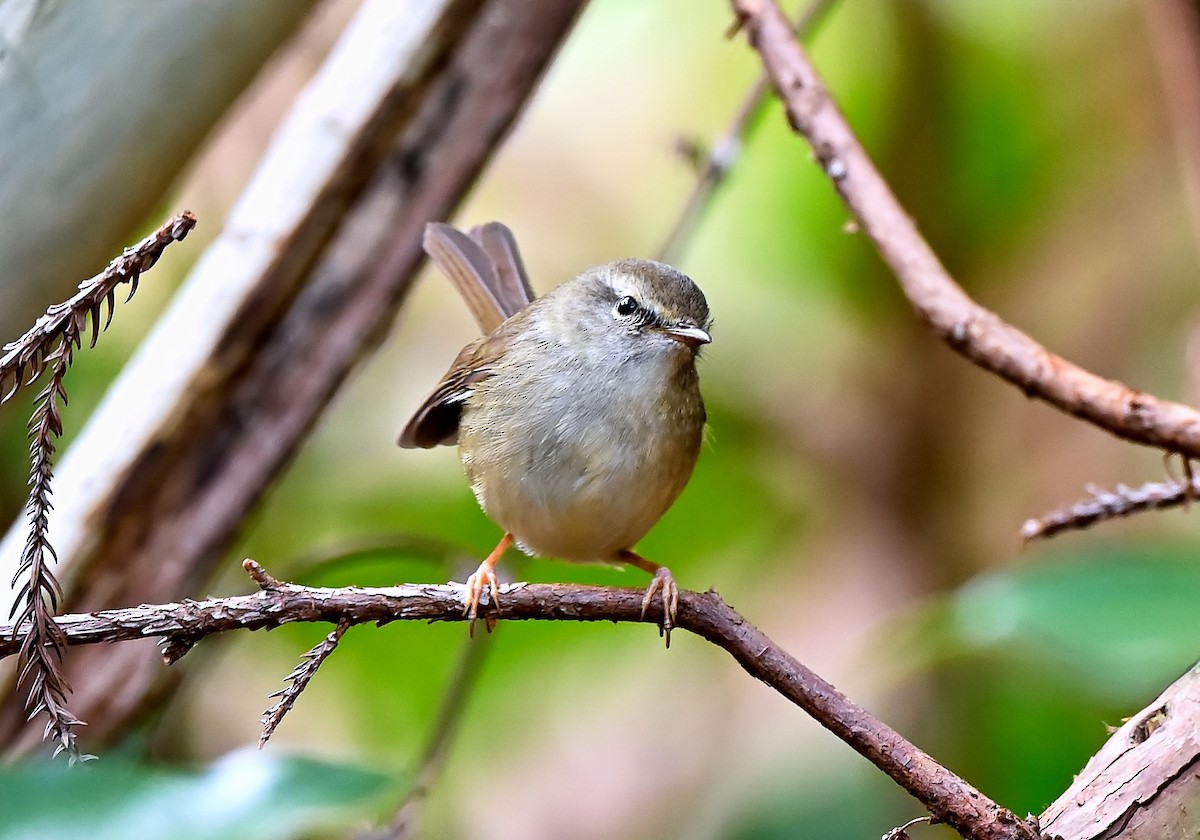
900	832
968	328
1110	504
23	360
948	798
728	148
298	680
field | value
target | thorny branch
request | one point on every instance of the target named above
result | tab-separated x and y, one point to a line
38	598
309	273
971	330
1110	504
964	325
23	360
948	798
51	344
298	680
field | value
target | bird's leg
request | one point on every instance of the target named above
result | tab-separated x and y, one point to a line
662	582
485	575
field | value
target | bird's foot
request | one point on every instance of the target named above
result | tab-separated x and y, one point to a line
663	582
485	578
663	585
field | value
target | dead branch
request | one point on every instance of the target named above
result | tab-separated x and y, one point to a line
50	344
308	275
968	328
298	680
39	597
1143	783
1110	504
24	360
948	798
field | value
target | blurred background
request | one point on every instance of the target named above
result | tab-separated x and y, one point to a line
863	489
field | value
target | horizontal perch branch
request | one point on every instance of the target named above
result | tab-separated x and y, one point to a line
180	625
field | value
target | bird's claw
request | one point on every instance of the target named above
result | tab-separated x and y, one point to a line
484	576
663	582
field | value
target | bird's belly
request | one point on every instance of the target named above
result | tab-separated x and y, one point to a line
590	522
586	501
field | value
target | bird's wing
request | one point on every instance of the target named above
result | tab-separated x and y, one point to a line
486	269
436	421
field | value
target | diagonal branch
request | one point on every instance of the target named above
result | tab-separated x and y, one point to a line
724	154
948	798
298	680
967	327
301	285
23	360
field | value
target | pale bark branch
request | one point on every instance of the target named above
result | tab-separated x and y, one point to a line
308	275
1144	783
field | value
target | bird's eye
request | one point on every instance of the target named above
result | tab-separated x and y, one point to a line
626	306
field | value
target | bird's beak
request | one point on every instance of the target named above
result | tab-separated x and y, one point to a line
688	334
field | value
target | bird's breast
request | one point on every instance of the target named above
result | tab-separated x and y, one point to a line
579	462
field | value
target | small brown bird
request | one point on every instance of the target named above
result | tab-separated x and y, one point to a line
578	415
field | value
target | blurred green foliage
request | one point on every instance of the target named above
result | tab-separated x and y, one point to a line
246	795
862	490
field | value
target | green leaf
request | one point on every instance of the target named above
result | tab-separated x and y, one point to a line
246	794
1114	620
